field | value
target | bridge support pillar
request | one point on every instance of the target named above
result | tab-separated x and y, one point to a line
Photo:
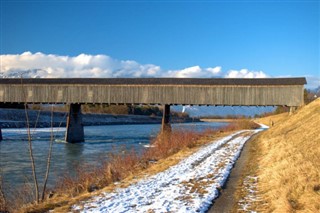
166	126
0	134
292	109
74	133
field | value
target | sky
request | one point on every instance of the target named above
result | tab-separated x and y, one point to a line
99	38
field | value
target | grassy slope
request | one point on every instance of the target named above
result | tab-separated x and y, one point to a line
289	161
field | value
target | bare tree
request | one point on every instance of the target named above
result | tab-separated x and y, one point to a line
49	157
33	167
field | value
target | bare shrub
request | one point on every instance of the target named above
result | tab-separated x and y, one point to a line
240	124
20	197
168	144
88	178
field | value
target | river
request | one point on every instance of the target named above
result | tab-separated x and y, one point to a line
99	141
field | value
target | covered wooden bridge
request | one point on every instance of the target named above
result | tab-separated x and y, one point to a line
151	91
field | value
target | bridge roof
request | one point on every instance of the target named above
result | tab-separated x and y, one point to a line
158	81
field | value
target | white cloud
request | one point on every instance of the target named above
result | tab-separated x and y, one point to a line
55	66
194	72
39	65
313	82
245	73
214	71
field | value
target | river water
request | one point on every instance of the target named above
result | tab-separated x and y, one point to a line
99	141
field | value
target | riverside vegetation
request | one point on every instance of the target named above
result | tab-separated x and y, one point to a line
122	167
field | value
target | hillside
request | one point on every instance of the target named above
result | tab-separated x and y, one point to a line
287	162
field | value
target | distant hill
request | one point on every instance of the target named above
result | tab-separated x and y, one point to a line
199	111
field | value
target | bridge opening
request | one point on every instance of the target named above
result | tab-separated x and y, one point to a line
75	130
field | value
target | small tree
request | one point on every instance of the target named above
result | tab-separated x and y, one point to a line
309	96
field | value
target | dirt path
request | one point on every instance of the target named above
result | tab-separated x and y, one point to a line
227	201
189	186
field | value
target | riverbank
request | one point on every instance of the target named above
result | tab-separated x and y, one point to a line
189	186
180	145
224	120
16	118
205	164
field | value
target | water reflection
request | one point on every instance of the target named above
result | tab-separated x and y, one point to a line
72	155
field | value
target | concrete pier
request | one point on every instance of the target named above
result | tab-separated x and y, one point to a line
0	134
74	133
166	126
292	109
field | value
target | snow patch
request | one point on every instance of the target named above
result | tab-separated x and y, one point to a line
250	200
189	186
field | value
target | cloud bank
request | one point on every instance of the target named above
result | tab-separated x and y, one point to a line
40	65
245	73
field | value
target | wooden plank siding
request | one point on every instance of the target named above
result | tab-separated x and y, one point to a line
180	94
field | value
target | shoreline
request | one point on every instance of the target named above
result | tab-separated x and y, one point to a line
15	118
164	164
217	120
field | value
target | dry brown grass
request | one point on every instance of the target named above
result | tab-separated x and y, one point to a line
242	124
288	161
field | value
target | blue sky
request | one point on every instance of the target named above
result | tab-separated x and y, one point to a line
175	38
